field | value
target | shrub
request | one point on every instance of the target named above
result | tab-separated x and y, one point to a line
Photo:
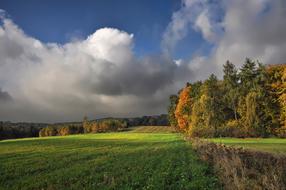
48	131
69	129
60	130
238	168
202	131
107	125
231	129
281	132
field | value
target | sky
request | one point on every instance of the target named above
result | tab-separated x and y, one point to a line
63	59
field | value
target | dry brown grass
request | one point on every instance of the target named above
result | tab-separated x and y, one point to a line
241	169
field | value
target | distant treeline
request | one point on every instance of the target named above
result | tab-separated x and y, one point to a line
61	130
10	130
249	102
154	120
102	125
105	125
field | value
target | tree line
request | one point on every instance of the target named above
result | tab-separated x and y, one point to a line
247	102
9	130
102	125
106	125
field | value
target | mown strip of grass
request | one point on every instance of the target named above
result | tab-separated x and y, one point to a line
274	145
152	129
103	161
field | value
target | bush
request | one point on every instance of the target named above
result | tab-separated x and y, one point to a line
238	168
60	130
202	131
231	129
69	129
281	132
48	131
107	125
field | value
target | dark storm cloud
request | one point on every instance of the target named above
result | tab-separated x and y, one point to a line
5	96
144	77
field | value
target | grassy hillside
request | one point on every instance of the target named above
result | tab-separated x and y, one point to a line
274	145
124	160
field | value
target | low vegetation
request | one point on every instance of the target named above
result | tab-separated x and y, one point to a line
124	160
272	145
245	169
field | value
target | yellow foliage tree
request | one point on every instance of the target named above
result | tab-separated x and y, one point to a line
200	121
277	80
282	98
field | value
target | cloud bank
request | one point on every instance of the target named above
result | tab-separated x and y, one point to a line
98	76
101	76
236	29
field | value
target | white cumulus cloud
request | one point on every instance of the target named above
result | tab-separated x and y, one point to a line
98	76
236	29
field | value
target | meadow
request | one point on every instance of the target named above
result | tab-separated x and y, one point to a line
272	145
123	160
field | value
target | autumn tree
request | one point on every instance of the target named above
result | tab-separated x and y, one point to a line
282	98
200	120
183	109
86	125
214	116
250	102
277	83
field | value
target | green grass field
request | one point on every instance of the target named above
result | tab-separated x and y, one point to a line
125	160
273	145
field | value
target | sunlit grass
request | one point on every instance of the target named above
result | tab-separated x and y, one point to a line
125	160
274	145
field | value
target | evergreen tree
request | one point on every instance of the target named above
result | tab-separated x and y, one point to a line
171	110
247	76
230	83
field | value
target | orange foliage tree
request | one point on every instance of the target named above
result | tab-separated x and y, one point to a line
183	109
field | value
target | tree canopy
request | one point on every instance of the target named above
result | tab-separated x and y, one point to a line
247	102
